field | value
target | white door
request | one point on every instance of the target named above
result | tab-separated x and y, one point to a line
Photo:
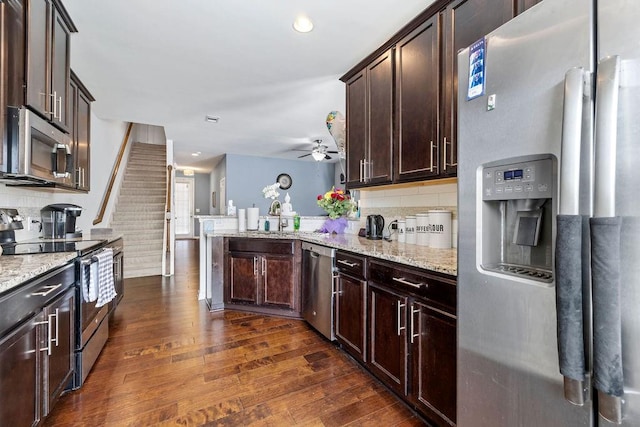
184	200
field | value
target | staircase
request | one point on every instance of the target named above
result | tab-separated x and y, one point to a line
139	214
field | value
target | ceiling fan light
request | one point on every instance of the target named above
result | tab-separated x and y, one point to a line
302	24
317	156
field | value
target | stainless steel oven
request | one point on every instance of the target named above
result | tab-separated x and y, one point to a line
92	324
37	151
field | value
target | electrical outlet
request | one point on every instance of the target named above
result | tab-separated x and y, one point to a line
394	225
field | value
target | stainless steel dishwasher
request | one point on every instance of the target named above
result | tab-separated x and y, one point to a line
318	265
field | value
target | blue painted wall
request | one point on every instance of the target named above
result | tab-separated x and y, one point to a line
246	176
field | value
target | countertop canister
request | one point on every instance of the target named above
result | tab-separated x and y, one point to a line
402	225
422	231
440	229
410	229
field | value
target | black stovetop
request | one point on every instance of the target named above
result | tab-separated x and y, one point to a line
81	247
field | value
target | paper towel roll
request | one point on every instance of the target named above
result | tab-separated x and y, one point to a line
242	220
253	216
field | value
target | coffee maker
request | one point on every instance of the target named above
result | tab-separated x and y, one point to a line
374	227
59	221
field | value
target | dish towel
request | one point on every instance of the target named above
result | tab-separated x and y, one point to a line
106	287
90	282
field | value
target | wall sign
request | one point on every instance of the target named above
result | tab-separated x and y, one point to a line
477	55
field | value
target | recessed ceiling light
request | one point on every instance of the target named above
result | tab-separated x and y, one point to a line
196	154
211	119
302	24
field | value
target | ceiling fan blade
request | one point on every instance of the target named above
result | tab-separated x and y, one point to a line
299	149
333	152
328	157
304	155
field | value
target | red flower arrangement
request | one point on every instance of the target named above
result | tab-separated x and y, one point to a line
336	203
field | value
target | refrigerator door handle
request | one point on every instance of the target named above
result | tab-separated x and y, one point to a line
574	82
568	253
608	378
607	89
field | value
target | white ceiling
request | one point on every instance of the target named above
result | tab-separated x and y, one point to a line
170	63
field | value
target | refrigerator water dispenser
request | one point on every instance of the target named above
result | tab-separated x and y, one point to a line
516	212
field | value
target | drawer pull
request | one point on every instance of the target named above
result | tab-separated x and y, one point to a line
348	264
406	282
49	289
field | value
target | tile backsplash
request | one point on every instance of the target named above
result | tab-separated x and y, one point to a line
28	202
396	203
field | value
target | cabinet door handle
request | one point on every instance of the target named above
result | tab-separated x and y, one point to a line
361	177
400	307
413	326
406	282
60	109
57	316
347	263
450	155
55	104
43	96
49	289
264	266
48	323
431	156
255	266
444	148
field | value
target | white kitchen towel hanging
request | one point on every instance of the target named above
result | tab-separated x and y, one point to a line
106	287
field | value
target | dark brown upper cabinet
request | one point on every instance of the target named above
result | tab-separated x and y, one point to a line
80	117
464	21
370	128
417	88
47	72
424	117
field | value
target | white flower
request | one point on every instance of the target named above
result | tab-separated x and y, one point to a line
271	191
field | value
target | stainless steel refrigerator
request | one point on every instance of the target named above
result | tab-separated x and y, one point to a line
549	219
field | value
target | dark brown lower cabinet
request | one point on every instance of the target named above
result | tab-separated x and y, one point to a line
36	354
59	345
20	384
350	306
388	336
433	362
243	287
264	274
412	337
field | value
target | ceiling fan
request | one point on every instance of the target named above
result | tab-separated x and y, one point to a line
319	151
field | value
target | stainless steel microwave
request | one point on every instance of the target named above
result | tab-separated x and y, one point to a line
37	152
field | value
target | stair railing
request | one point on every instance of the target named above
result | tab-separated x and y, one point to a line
168	258
114	174
168	207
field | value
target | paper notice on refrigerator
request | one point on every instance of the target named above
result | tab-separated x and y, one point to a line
476	69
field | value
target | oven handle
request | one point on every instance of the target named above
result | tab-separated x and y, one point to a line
86	261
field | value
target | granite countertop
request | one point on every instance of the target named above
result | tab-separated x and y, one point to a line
18	269
439	260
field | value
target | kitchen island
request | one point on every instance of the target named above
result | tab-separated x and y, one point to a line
437	260
393	305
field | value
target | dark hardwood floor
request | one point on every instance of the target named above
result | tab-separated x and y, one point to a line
169	361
